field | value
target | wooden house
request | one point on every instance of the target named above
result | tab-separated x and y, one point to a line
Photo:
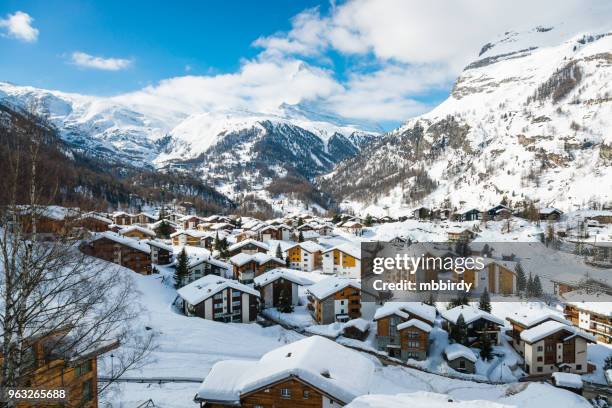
137	232
497	276
305	256
459	234
190	221
248	266
189	237
220	299
277	283
48	222
248	246
161	254
335	299
525	319
200	266
52	363
144	218
402	329
123	251
593	317
357	329
270	232
122	218
421	213
343	259
554	346
472	214
550	214
478	323
314	372
460	358
94	222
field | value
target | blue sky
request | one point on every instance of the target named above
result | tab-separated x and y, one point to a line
380	61
203	36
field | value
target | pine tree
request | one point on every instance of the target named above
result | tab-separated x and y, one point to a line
486	349
521	282
279	252
164	229
485	301
300	237
459	332
300	222
284	303
223	248
182	269
368	221
461	299
217	244
537	287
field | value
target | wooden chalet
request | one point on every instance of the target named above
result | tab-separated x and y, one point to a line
314	372
52	364
248	266
497	276
122	218
335	299
478	322
248	246
460	358
402	329
526	319
472	214
137	232
305	256
277	283
357	329
554	346
220	299
550	214
189	237
593	317
94	222
123	251
161	254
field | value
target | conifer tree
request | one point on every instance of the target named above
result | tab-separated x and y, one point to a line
368	221
537	287
486	349
529	286
485	301
182	269
459	332
300	237
279	252
521	282
284	303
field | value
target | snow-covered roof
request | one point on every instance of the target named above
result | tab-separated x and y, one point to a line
470	314
196	260
159	244
358	323
278	273
419	324
261	258
191	232
308	246
246	242
331	285
96	217
532	317
545	329
457	350
201	289
337	371
568	380
138	228
550	210
120	239
347	248
402	309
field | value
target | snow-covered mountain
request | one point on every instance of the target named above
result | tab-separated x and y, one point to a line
232	149
530	119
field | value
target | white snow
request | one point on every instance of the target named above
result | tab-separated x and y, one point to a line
207	286
456	350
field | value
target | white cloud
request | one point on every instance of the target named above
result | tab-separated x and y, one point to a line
106	64
19	26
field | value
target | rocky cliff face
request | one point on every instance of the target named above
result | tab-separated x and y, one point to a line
531	119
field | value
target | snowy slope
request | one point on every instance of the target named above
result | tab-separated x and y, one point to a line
529	119
180	135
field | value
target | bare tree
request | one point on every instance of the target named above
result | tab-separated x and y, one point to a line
47	286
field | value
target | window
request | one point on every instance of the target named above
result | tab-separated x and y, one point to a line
87	391
83	368
540	348
539	358
539	369
461	363
285	393
578	366
306	394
